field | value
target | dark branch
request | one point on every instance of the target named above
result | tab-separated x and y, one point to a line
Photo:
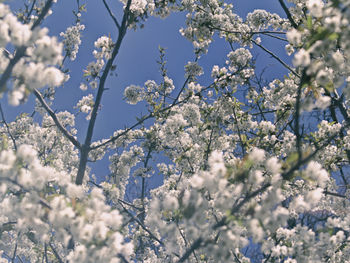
66	133
111	14
289	15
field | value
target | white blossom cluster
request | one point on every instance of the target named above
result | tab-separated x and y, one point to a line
192	69
238	69
85	105
72	40
35	208
250	170
122	164
36	65
104	50
134	94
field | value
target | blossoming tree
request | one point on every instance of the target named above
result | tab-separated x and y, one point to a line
255	171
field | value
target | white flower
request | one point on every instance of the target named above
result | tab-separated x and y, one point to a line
134	94
83	87
168	85
171	203
53	77
85	104
197	181
301	58
20	33
72	40
315	172
75	191
315	7
273	166
294	37
239	57
257	155
322	77
4	34
106	45
26	152
314	196
48	50
323	102
193	69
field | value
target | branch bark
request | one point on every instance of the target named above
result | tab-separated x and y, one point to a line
52	114
85	149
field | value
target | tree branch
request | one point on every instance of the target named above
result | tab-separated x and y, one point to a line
141	225
276	57
85	149
56	254
20	51
66	133
111	14
8	128
289	15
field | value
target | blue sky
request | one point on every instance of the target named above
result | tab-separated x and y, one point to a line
136	61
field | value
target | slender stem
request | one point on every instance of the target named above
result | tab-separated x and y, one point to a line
207	152
325	192
42	14
189	251
276	57
111	14
8	71
8	128
52	114
14	252
239	132
289	15
236	258
45	253
297	117
55	253
141	225
276	37
31	10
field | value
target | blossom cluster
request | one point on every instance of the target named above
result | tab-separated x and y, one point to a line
37	53
72	40
38	201
247	169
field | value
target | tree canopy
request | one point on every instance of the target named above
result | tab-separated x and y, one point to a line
253	168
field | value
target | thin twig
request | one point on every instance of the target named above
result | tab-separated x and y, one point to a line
276	37
144	118
55	253
31	10
289	15
45	254
325	192
8	128
111	14
42	14
66	133
141	225
297	117
189	251
276	57
14	252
